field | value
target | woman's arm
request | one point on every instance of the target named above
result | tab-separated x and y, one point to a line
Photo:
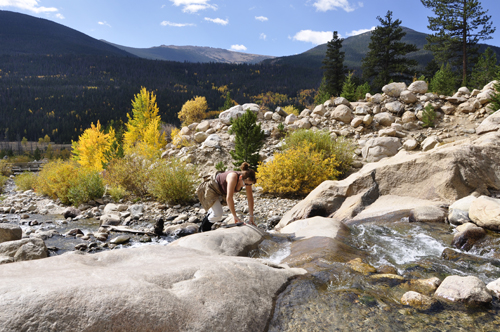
249	192
232	180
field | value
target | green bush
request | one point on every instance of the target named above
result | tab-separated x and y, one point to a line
131	173
25	181
5	168
428	116
87	186
443	82
341	148
3	180
220	167
117	193
173	181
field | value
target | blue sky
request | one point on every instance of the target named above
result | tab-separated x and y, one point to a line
266	27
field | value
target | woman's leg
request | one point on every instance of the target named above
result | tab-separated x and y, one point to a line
214	214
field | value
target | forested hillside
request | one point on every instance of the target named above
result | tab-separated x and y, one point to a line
60	96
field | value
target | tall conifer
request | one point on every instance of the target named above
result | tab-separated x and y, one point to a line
249	138
333	64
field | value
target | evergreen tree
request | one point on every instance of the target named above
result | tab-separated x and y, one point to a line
485	69
323	94
385	59
459	25
495	99
333	64
443	82
228	103
249	138
349	89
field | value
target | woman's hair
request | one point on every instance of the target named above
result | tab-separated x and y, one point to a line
247	172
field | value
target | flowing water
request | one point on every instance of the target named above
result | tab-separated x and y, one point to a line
336	298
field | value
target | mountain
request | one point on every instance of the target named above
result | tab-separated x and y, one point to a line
24	34
193	54
356	47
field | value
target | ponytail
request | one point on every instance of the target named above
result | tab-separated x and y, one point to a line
247	172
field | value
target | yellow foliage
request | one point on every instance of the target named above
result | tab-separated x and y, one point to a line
56	178
178	140
193	111
296	171
291	110
143	127
94	148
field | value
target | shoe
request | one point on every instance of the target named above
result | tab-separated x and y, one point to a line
206	225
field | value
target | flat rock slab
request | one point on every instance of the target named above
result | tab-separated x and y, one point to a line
235	241
151	288
390	208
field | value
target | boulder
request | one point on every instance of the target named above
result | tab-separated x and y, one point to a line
182	229
153	288
281	112
232	113
291	118
71	212
485	96
303	123
379	148
458	212
136	211
420	87
429	143
485	212
408	97
235	241
408	117
255	108
491	123
445	174
394	107
185	131
376	98
319	110
24	249
212	141
203	126
110	219
418	301
384	118
394	89
9	232
427	214
200	137
268	115
342	113
494	288
448	109
467	235
410	145
468	290
341	101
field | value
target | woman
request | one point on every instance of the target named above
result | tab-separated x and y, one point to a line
219	189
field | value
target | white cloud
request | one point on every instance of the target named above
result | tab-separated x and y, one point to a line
263	36
193	6
217	20
31	5
238	47
60	16
325	5
104	23
177	25
358	32
314	37
261	18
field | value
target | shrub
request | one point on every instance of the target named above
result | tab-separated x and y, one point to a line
349	89
341	148
290	109
178	140
5	169
3	180
220	167
362	90
56	178
87	186
25	181
173	181
428	116
117	193
193	110
296	171
131	173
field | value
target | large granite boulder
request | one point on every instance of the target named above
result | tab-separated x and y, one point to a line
342	113
394	89
418	87
380	147
24	249
445	174
485	212
151	288
468	290
9	232
235	241
491	123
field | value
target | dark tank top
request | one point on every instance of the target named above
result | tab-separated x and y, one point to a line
221	181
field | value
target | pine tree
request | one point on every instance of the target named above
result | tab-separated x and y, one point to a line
485	69
443	82
386	59
459	26
249	138
349	89
333	64
323	94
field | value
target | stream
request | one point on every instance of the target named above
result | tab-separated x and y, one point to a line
337	298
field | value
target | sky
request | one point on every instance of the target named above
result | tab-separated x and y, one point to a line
265	27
